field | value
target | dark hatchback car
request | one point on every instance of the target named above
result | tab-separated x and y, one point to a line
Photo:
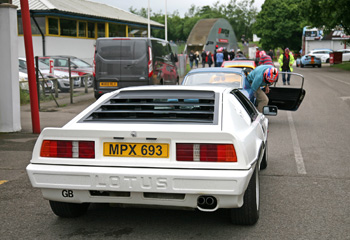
124	62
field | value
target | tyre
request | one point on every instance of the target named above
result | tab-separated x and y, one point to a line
69	210
248	214
263	164
301	65
319	65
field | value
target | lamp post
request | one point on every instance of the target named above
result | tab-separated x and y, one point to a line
166	22
149	24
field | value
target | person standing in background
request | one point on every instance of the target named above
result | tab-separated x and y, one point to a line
204	57
271	54
265	59
257	56
210	59
286	61
196	58
225	54
191	58
232	54
219	57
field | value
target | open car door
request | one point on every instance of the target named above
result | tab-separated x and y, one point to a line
287	97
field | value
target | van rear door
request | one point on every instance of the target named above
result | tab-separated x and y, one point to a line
107	60
134	62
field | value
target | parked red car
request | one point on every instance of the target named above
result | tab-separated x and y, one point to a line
78	66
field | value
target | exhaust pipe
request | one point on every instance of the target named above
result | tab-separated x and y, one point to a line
206	203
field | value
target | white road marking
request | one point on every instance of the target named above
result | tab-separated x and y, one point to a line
297	151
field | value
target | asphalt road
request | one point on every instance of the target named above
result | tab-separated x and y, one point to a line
305	190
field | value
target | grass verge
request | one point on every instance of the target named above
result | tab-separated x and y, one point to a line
344	66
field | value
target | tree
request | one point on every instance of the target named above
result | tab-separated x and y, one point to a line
240	13
241	16
279	24
328	14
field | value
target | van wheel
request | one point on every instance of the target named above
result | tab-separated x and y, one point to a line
97	96
69	210
248	214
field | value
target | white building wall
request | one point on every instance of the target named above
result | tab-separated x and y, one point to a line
81	48
334	44
10	119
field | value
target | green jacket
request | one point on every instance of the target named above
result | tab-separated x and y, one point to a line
291	61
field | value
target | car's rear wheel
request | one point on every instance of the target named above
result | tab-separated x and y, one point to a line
319	65
263	164
69	210
248	214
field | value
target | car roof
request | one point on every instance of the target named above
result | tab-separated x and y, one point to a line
322	49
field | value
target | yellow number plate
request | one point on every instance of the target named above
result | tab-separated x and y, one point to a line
108	84
152	150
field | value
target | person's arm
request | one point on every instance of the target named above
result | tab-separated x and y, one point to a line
291	60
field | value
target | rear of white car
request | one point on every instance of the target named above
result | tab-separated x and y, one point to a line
185	147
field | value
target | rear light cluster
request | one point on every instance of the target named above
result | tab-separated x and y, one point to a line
67	149
205	152
150	62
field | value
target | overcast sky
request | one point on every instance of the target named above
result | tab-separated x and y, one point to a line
172	5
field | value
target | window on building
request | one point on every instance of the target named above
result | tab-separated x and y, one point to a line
117	30
82	29
91	30
53	26
35	30
68	27
101	30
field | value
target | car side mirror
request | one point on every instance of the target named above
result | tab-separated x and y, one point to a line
270	110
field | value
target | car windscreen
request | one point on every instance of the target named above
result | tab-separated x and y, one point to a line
128	50
214	78
80	63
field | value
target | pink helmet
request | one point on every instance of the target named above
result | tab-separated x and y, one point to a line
262	53
271	75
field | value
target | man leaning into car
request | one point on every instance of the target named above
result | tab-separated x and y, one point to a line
262	76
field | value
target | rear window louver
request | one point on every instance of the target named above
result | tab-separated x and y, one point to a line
157	106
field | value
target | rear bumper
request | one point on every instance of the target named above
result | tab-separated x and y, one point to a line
163	187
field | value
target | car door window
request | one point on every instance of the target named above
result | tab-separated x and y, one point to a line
247	105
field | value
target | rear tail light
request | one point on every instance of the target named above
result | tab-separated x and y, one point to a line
205	152
150	62
94	62
67	149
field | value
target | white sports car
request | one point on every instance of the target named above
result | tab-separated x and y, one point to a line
178	146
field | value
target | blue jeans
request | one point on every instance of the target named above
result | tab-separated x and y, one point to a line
191	64
284	76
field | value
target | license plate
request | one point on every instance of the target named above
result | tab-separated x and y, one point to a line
151	150
108	84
